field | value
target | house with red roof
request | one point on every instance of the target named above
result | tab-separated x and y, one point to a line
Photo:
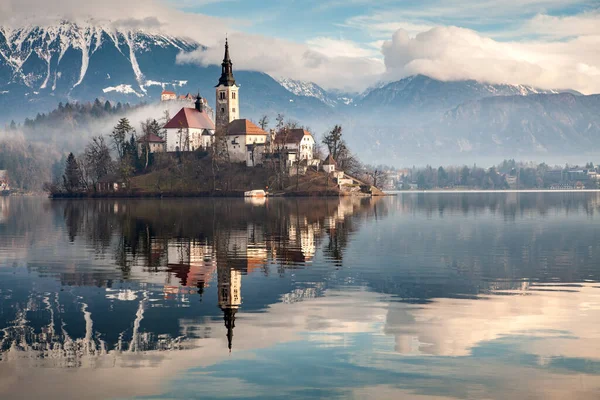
190	129
168	95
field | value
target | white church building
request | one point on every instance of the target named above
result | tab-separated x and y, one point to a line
190	129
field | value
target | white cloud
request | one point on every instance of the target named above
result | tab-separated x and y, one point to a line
282	58
584	24
451	53
340	48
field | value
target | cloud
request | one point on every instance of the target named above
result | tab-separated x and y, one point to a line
281	58
340	48
584	24
451	53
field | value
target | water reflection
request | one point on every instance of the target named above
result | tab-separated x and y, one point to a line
431	295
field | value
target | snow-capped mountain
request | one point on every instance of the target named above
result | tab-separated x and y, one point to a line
62	58
423	93
41	66
309	89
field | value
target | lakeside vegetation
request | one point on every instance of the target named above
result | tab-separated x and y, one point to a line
509	174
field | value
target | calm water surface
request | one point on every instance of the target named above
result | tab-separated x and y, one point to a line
424	296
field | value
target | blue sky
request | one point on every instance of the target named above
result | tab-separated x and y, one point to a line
366	21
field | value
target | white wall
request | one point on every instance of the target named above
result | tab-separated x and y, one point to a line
196	140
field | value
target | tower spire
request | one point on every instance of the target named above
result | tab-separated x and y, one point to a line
229	318
227	78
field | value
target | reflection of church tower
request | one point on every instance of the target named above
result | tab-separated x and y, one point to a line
230	297
227	94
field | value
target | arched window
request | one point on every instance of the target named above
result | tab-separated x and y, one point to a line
222	110
222	96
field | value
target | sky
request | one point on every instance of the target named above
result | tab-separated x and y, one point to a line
352	44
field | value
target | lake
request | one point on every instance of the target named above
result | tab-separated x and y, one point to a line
418	296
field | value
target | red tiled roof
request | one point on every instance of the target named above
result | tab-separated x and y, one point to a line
151	138
244	127
190	118
168	92
293	136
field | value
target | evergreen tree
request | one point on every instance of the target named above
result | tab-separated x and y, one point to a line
72	178
122	130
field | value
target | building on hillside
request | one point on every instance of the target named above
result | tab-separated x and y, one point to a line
246	142
190	129
329	164
151	142
168	95
186	97
299	141
227	93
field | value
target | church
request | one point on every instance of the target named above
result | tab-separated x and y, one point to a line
192	128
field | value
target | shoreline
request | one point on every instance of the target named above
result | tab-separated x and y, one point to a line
438	191
167	195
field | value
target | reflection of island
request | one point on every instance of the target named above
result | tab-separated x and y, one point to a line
147	257
123	287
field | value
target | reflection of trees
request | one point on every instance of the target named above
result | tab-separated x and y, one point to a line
508	204
287	233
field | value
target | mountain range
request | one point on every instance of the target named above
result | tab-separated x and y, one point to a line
411	120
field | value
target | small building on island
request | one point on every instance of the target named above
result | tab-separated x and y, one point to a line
297	141
246	142
153	143
110	183
329	164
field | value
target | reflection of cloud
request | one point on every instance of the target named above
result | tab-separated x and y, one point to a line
453	327
338	323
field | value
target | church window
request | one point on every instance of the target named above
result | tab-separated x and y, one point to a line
233	110
233	95
222	110
222	95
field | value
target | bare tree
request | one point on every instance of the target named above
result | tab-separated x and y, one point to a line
263	122
377	177
98	159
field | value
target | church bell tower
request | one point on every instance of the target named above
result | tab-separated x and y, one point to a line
228	107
